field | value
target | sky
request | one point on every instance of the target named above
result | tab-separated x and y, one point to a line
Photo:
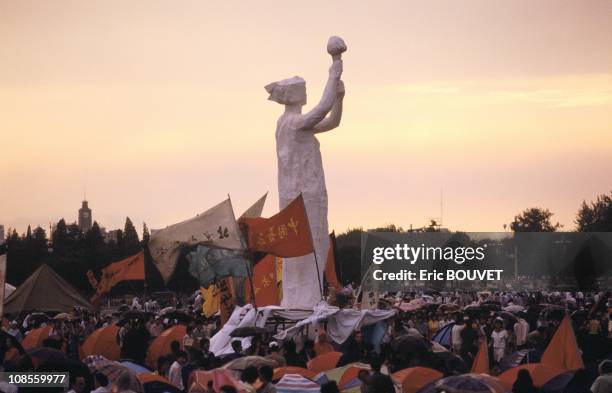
156	109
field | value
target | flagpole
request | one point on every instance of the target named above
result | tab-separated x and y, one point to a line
246	259
314	251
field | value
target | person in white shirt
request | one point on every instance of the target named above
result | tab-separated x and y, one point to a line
101	384
456	339
175	373
521	328
603	383
499	336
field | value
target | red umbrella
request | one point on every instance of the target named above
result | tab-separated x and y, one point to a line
103	342
161	345
35	338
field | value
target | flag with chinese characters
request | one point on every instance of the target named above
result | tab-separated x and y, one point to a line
286	234
265	283
216	227
218	297
131	268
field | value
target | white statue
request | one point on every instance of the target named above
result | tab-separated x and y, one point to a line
300	170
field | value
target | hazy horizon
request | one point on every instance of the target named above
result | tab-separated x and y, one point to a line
158	110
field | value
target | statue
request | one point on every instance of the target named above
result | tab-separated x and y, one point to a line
300	170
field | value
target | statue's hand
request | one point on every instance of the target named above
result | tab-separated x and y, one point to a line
336	69
340	90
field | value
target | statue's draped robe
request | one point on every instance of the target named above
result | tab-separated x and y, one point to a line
300	170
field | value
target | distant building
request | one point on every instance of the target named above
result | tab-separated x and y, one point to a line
1	234
111	236
85	220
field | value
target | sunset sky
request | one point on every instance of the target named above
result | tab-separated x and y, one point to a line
157	108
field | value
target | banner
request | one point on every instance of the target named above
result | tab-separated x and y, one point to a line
218	297
286	234
131	268
209	265
2	282
215	227
256	209
330	266
265	283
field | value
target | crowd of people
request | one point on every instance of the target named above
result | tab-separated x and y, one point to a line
469	318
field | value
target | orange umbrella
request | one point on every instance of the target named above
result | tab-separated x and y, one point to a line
540	373
324	362
279	372
414	378
35	337
103	342
349	375
161	345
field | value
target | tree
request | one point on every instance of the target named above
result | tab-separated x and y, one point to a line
595	216
534	219
130	237
145	234
93	237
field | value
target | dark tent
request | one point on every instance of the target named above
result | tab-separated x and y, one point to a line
44	291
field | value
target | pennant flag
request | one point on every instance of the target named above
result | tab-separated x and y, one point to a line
2	282
563	351
286	234
209	265
211	296
215	227
255	210
131	268
481	362
330	267
265	283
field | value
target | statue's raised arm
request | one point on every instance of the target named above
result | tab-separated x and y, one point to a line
332	94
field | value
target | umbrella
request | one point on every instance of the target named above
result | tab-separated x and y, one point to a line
449	307
43	355
199	379
248	331
304	372
473	383
540	373
346	376
443	336
63	317
248	361
113	370
154	383
161	344
172	313
519	357
136	368
294	383
414	378
559	383
38	317
514	308
35	337
327	361
103	342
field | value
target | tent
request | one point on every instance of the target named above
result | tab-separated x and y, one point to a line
44	291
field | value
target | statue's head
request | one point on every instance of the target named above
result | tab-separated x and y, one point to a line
290	91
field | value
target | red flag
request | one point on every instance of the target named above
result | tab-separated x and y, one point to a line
286	234
563	351
131	268
481	362
330	267
264	283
